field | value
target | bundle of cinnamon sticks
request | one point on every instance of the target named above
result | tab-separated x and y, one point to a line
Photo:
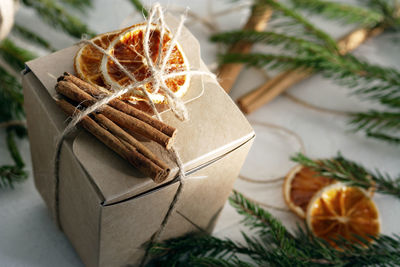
116	125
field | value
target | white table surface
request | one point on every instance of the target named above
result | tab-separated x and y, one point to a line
28	237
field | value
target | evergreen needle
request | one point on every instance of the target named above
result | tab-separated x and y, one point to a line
15	55
350	172
299	249
341	11
30	36
139	7
55	15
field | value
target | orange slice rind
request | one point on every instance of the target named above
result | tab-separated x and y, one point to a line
339	211
300	185
87	61
128	49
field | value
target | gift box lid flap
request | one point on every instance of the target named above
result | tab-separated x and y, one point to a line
216	127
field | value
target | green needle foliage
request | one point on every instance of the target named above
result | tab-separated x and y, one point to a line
11	97
56	16
347	171
14	55
78	4
11	174
376	123
25	33
340	11
11	100
272	245
371	82
139	7
288	20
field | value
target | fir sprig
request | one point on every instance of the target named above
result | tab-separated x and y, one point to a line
371	82
390	10
350	172
384	137
14	55
11	174
376	121
299	249
297	24
341	12
139	7
27	34
11	97
11	107
78	4
55	15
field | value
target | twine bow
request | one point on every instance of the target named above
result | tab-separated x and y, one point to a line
158	77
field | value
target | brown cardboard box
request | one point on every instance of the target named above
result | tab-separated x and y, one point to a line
108	209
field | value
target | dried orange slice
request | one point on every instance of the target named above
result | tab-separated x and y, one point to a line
343	211
128	49
299	187
88	59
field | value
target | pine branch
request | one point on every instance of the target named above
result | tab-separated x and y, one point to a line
139	7
11	97
31	36
299	45
352	173
306	249
14	55
182	249
78	4
293	18
340	11
376	121
390	10
55	15
384	137
258	219
11	174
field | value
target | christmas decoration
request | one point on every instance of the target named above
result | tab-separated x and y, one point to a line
316	51
273	245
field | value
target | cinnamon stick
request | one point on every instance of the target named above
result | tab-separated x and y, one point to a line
124	136
121	105
275	86
228	73
124	149
125	121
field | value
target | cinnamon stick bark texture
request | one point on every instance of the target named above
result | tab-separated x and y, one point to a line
120	105
280	83
132	124
147	165
228	73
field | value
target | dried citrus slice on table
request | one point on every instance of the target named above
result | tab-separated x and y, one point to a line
88	59
343	211
128	49
299	187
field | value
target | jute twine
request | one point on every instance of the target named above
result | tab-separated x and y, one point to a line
157	78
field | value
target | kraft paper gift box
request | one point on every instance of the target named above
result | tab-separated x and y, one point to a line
107	208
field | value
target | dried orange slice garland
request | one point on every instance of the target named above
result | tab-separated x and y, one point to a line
343	211
332	210
300	186
127	47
